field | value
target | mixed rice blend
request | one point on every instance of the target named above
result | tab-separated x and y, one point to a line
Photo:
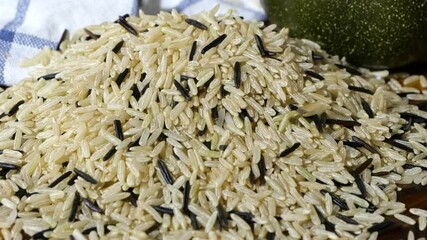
207	127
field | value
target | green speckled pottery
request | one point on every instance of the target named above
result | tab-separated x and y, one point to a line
377	33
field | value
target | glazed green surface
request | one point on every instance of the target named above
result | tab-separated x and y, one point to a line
376	33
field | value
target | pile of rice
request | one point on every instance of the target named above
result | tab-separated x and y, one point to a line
259	136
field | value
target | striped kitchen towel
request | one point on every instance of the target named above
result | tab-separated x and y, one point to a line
27	26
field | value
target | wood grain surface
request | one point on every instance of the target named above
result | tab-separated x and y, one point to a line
413	197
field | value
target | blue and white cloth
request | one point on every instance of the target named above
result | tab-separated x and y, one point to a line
27	26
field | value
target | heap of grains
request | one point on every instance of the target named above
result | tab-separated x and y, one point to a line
206	127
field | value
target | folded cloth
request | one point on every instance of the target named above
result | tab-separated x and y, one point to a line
26	26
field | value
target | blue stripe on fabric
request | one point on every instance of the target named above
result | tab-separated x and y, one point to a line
134	10
17	21
33	41
185	4
19	18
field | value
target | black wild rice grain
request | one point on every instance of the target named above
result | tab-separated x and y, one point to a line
64	36
153	228
247	216
60	179
214	43
260	46
133	197
207	144
252	179
186	201
122	21
271	235
192	52
214	112
222	147
74	207
328	225
184	92
91	34
122	76
184	77
408	125
165	172
3	173
134	144
224	93
9	166
22	192
15	108
293	107
111	152
318	121
316	57
404	94
163	210
290	150
371	208
380	174
145	88
40	235
337	200
206	85
363	166
349	69
314	75
92	206
118	46
380	226
194	222
174	103
398	145
352	144
48	76
4	86
360	89
262	170
202	132
124	16
119	130
162	137
347	219
367	109
415	118
410	166
85	176
345	123
365	144
72	180
88	230
135	92
196	24
222	217
237	75
244	113
360	185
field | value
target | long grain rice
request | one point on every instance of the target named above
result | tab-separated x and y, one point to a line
275	137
